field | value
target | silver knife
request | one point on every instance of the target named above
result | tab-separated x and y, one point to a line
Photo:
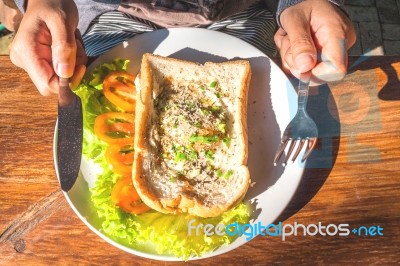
70	135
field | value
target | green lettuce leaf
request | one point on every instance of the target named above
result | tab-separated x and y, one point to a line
151	231
100	72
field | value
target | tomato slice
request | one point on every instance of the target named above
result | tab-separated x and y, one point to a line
119	89
127	198
120	157
115	128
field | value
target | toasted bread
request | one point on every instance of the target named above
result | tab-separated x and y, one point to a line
191	135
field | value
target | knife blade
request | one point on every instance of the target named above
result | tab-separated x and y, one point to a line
69	135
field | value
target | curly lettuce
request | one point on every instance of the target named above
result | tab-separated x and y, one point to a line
151	232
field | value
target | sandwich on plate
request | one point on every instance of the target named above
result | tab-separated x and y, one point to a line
191	135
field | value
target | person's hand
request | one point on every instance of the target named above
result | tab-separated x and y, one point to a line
48	45
315	35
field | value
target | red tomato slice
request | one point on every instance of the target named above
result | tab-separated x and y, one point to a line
115	128
127	198
121	162
119	89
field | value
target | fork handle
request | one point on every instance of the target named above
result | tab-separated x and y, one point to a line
302	91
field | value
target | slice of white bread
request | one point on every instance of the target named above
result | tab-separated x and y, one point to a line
191	135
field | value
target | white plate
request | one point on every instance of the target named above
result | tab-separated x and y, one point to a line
270	97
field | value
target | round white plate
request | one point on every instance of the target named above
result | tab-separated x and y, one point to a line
272	103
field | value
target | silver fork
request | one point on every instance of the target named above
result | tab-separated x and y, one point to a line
302	129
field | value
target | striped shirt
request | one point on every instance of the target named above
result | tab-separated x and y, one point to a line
90	9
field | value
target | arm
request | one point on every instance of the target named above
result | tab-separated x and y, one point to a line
314	35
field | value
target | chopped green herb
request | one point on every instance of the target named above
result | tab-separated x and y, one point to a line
173	179
205	111
228	174
191	105
201	87
218	94
203	139
175	124
167	107
177	148
222	127
180	156
192	155
213	84
219	173
198	124
210	155
227	141
174	147
216	108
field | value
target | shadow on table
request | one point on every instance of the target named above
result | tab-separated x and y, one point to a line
390	90
324	111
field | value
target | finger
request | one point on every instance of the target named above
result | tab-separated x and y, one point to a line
351	36
304	53
283	44
44	78
39	68
78	75
279	35
286	55
63	46
81	60
333	65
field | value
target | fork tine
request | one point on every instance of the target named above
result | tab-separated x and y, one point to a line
310	147
280	150
292	145
302	141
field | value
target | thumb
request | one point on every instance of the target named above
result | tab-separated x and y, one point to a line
63	48
303	54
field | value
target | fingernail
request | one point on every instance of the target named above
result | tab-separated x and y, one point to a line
304	62
63	70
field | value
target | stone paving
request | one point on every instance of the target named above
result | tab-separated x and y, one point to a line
377	23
